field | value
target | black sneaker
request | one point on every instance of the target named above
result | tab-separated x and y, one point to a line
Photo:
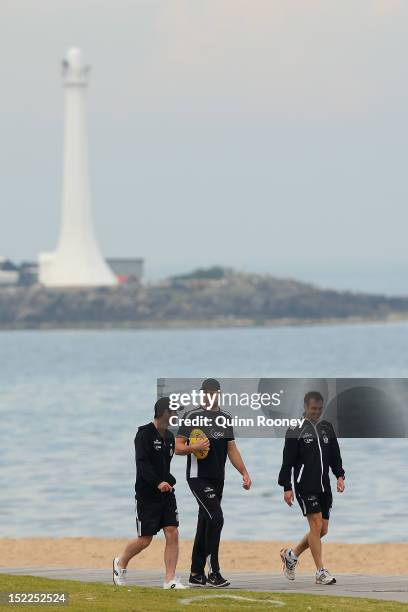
198	580
216	580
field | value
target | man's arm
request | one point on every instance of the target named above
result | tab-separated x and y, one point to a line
336	462
182	448
288	462
290	452
145	467
235	457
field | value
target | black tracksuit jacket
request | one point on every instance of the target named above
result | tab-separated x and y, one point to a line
153	457
310	450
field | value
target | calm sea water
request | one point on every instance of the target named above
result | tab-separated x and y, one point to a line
71	401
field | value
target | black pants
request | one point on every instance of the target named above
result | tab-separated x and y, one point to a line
208	494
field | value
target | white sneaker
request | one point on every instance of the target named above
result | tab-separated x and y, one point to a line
289	564
118	574
324	577
174	584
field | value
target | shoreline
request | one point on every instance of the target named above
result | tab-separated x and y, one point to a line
240	555
219	323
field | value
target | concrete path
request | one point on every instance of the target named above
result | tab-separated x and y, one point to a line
348	585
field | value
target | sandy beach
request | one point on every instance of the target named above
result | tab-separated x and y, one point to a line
235	555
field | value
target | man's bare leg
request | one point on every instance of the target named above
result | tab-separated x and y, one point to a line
133	548
171	551
304	542
316	524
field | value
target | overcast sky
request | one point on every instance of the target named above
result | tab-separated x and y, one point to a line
266	135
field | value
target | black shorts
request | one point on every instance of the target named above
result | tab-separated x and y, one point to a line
154	514
311	503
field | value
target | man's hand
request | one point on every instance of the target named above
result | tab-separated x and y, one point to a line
289	497
340	485
164	487
246	481
201	445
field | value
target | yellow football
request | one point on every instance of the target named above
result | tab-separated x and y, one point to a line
198	434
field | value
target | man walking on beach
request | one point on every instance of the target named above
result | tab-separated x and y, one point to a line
207	449
310	450
156	506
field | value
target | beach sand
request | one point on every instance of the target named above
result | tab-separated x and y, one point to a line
260	556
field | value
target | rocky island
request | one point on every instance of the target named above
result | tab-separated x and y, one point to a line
210	297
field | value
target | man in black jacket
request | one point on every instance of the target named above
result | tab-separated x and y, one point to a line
156	506
310	450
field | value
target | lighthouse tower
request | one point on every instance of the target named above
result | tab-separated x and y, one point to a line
78	261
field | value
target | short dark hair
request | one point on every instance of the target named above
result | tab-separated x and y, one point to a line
313	395
210	384
161	406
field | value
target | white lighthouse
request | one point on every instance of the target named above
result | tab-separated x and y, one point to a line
78	261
